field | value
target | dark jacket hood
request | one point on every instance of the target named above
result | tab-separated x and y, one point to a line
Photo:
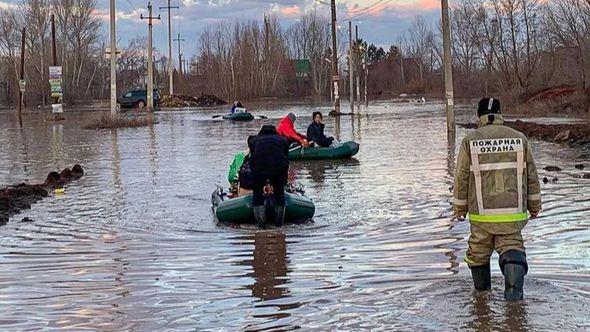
268	130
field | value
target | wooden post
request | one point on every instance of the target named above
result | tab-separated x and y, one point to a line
113	61
350	67
335	73
150	68
22	77
170	62
448	67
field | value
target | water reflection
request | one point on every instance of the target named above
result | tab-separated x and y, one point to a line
318	169
515	316
270	265
382	227
480	313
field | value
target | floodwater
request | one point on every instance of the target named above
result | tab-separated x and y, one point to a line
133	244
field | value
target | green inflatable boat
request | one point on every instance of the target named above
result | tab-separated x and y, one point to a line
243	116
239	210
345	150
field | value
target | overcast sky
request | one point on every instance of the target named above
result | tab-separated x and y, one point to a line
380	24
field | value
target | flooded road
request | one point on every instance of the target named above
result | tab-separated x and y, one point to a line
133	245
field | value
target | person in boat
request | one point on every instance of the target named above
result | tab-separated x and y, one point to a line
497	185
315	132
286	128
269	163
240	172
237	104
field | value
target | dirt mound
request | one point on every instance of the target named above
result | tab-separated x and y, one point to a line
190	101
555	93
14	199
573	134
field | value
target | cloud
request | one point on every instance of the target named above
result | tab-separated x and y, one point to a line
381	24
290	11
7	5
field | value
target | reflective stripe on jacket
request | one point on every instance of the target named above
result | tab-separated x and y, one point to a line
496	181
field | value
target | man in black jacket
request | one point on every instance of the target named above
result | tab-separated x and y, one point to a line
269	163
315	132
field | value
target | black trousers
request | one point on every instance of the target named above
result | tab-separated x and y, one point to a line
277	179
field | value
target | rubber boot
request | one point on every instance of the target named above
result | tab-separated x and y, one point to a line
482	277
260	216
514	268
280	215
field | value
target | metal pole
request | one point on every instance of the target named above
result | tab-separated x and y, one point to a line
170	62
448	68
113	63
22	77
350	67
335	74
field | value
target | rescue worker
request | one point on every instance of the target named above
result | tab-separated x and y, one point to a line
286	128
269	164
496	182
315	132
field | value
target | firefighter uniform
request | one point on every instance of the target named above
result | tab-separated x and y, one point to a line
496	185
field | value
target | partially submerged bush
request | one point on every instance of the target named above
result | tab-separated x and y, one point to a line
107	122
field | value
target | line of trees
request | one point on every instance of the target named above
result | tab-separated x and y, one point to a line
507	47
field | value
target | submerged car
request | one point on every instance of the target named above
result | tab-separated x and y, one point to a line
137	98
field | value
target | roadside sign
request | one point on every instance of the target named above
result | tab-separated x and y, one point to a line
55	82
57	108
22	84
54	72
107	53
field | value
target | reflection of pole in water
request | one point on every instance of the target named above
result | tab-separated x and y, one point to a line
451	145
117	183
57	145
337	127
270	265
153	154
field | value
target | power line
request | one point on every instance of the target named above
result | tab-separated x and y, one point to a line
366	8
368	12
131	4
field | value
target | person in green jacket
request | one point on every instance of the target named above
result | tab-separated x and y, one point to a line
239	175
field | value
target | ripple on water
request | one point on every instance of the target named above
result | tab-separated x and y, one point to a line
133	246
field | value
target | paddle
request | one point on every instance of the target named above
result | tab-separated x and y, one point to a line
263	117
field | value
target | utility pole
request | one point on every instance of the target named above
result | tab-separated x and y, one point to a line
170	62
350	67
179	40
356	63
22	82
150	81
113	63
366	69
448	67
335	73
266	70
55	81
